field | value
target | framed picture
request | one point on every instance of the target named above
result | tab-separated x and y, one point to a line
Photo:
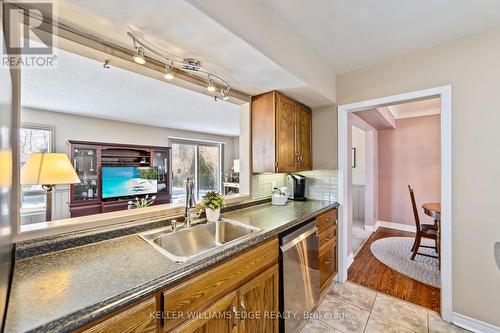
353	157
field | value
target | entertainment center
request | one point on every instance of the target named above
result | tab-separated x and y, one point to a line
129	172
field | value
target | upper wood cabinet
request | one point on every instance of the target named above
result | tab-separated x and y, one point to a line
281	134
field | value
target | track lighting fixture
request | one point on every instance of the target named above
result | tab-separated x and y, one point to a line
174	64
169	74
139	57
210	86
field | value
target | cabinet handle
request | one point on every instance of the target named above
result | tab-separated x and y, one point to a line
328	238
235	321
328	262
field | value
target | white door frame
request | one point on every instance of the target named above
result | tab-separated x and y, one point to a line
445	93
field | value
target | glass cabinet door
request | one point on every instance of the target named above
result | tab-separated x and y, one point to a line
161	163
85	164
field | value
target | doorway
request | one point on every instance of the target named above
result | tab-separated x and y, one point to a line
345	180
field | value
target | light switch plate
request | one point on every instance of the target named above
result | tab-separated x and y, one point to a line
497	254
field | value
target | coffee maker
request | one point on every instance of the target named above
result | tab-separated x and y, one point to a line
296	185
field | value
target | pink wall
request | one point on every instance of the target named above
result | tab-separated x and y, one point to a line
409	154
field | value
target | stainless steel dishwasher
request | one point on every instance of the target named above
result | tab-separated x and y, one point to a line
299	275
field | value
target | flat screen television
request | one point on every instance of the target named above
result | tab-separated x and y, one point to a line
128	181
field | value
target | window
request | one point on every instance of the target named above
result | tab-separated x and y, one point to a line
34	139
199	160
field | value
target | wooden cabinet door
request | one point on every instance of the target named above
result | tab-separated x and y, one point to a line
258	301
136	319
286	154
221	317
304	142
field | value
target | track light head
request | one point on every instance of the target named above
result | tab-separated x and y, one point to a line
210	86
139	57
169	74
224	94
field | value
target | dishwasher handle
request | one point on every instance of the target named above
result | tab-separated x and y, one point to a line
288	245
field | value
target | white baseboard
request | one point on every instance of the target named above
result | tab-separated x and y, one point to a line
371	228
393	225
350	260
473	325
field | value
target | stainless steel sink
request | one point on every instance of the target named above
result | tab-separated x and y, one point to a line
184	244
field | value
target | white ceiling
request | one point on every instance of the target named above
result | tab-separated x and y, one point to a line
182	29
348	35
421	108
82	86
259	45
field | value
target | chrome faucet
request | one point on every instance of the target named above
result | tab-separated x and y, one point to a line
190	201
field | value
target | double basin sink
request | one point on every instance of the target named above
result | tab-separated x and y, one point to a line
187	243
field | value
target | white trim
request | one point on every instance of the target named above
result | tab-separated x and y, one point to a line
180	139
445	93
413	114
371	228
394	225
350	260
474	325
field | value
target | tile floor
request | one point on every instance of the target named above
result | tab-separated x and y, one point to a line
349	307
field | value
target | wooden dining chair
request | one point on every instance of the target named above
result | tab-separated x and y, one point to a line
423	231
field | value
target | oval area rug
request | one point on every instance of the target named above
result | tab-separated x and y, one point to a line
395	252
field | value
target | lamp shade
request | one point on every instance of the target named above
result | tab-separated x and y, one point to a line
6	167
236	166
48	169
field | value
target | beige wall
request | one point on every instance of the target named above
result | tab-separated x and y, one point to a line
409	155
324	138
472	67
73	127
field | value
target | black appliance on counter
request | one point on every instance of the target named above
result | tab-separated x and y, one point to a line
296	185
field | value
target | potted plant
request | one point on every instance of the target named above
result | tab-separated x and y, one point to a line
141	203
213	202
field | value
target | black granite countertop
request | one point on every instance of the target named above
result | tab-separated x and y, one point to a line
61	291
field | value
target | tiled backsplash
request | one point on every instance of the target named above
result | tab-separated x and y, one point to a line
262	184
321	184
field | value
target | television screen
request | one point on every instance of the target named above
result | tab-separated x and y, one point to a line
128	181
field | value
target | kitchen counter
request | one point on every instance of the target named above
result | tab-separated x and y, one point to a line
61	291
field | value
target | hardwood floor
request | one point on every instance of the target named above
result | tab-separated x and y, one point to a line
370	272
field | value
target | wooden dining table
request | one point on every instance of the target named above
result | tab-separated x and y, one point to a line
433	209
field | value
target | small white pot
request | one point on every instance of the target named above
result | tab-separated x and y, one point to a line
212	215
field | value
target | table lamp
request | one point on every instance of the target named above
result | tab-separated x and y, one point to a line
6	167
48	170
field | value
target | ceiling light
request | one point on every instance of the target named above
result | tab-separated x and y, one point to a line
169	74
224	94
210	86
175	64
139	57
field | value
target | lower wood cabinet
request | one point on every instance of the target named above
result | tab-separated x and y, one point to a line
259	303
138	318
327	229
239	295
250	309
219	317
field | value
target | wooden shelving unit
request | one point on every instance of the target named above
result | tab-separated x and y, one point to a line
89	157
